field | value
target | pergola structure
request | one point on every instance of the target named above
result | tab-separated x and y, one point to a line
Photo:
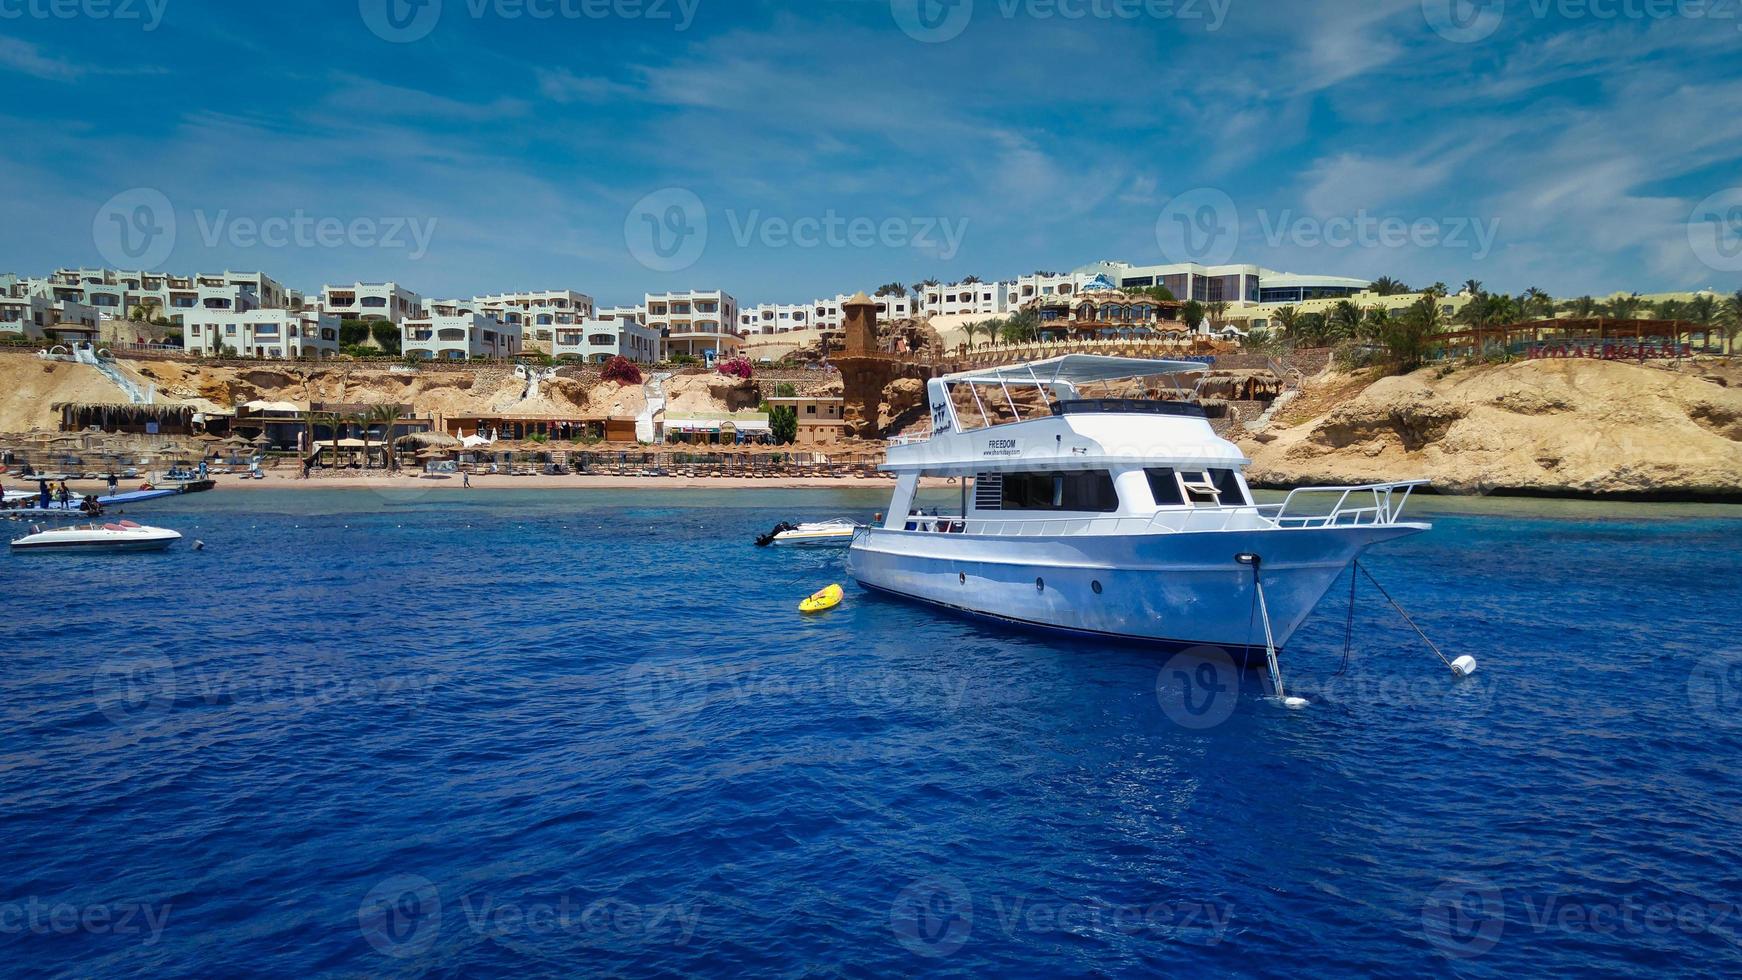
1602	338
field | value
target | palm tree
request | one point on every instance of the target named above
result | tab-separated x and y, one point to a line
969	280
969	329
1472	287
1288	318
1582	308
1537	303
1671	309
1375	323
892	289
1345	320
1409	338
386	416
1626	307
1218	309
1731	319
1387	286
1439	290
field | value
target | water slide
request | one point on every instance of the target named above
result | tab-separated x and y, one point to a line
654	389
136	394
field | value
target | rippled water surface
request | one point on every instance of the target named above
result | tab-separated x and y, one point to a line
588	733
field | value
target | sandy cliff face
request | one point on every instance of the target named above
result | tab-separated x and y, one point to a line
1553	427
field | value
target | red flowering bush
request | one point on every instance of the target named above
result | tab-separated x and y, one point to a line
621	370
736	367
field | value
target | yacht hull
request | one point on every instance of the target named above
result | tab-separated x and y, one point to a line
1179	590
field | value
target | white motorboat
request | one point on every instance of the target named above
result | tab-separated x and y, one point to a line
119	536
1114	517
832	533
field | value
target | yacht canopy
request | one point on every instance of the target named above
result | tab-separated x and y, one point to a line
1076	369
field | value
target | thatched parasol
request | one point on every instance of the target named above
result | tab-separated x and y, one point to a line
428	440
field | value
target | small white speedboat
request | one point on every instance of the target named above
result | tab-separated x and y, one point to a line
122	536
837	532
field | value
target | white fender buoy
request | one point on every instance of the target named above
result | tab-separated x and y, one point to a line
1464	666
1293	702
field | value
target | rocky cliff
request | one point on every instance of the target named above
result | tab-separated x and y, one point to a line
1576	428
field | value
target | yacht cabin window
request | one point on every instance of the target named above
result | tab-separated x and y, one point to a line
1198	488
1081	491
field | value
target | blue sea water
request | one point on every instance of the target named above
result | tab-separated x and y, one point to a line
566	733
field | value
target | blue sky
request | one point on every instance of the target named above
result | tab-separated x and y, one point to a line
1529	142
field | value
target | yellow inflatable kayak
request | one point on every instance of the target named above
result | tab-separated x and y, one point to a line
829	598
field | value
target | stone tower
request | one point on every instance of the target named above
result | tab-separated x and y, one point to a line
860	315
865	369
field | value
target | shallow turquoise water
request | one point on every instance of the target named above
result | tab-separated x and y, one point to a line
586	732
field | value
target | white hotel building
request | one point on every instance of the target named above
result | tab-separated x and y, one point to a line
371	301
597	341
261	333
447	334
117	292
538	314
988	298
699	323
822	314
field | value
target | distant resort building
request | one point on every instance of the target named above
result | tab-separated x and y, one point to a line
261	333
538	314
1095	309
768	319
695	323
821	418
459	337
598	341
371	301
990	298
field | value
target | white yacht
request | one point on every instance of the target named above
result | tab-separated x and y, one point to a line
121	536
1121	517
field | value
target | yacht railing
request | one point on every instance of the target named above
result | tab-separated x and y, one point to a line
1371	505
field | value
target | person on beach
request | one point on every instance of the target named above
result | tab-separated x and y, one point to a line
114	483
43	497
466	481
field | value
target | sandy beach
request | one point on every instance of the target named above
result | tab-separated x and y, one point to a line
358	481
